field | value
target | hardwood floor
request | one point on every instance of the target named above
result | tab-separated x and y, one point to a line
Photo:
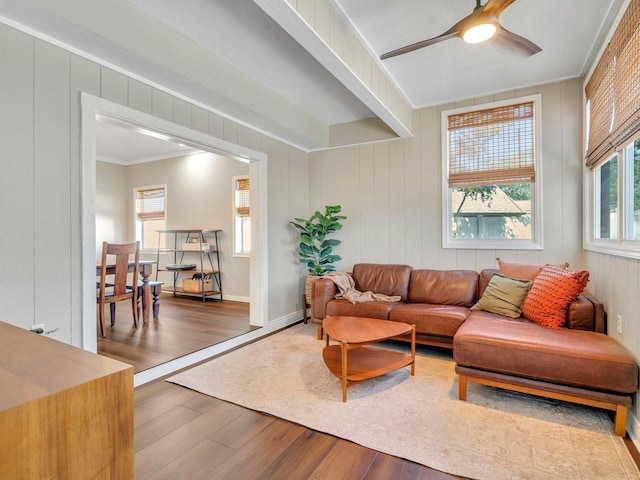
180	433
185	325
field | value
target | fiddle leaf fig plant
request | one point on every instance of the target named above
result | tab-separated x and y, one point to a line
315	249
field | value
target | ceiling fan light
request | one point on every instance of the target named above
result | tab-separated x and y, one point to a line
479	33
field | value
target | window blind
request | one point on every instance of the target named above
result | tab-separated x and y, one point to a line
150	204
613	91
492	146
242	197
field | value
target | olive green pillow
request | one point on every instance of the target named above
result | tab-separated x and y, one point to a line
504	295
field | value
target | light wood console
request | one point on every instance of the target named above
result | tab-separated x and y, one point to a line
64	413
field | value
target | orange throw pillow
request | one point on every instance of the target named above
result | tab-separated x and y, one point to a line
552	291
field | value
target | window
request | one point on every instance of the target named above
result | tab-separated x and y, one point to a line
242	218
150	209
616	200
606	178
490	158
632	191
612	190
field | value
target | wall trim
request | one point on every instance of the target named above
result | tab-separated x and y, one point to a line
236	298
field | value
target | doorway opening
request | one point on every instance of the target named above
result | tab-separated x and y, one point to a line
96	110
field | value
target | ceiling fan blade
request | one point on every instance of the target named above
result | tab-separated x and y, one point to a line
454	31
496	7
509	42
418	45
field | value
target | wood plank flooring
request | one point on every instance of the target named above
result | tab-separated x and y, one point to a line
185	325
180	433
183	434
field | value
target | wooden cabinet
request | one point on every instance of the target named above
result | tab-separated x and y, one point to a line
193	258
65	413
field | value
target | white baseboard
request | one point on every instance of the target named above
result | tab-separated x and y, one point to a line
235	298
185	361
633	429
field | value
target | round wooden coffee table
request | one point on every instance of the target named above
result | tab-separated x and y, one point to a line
352	360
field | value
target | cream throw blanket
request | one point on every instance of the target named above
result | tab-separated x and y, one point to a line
347	290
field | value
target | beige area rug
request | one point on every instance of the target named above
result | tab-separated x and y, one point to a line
494	435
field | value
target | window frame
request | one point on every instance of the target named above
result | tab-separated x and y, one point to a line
597	186
620	246
236	217
137	223
536	241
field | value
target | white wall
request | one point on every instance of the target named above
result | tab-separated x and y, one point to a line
40	207
112	201
391	190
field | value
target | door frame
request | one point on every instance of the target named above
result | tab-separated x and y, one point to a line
92	109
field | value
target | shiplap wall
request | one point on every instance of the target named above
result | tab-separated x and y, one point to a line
391	190
40	151
615	281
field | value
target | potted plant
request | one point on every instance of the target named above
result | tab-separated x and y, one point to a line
315	249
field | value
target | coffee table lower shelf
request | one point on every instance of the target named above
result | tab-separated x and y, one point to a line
362	363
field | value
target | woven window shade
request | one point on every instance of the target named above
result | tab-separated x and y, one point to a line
493	146
613	91
242	197
150	204
599	92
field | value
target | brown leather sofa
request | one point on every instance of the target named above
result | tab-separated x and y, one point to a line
577	363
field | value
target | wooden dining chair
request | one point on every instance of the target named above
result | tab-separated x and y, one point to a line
114	285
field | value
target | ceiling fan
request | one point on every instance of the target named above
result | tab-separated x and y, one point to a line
482	24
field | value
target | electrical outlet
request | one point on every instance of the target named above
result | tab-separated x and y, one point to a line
37	328
619	324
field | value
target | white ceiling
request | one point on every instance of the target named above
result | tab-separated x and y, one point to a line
127	146
229	56
240	33
568	31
